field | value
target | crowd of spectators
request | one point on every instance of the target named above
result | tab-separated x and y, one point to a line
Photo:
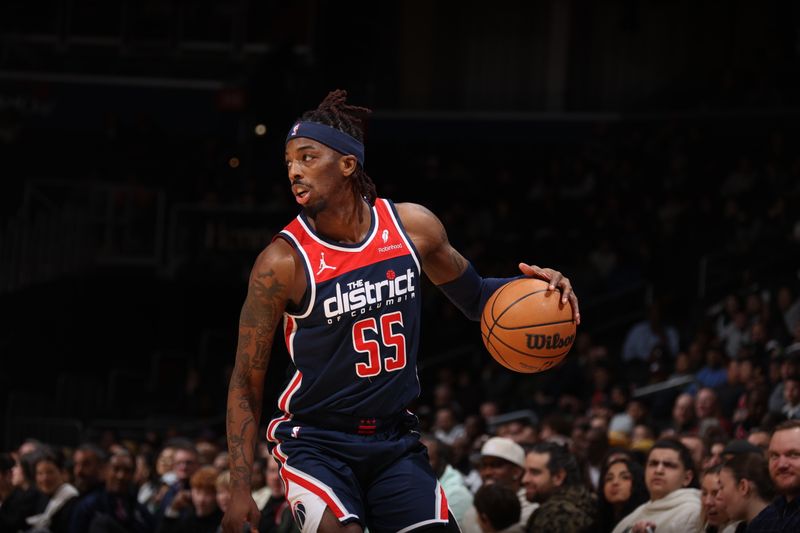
711	445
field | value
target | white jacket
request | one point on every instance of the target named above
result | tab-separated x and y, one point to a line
459	498
677	512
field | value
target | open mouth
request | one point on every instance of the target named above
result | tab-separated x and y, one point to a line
300	193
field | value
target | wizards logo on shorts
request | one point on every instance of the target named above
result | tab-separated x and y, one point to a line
299	512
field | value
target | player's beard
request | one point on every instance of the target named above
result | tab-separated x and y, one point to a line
314	209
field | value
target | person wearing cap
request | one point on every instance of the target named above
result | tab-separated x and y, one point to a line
502	462
341	285
739	447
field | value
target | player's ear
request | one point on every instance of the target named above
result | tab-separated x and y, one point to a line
348	164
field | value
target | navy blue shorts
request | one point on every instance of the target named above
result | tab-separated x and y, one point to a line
382	481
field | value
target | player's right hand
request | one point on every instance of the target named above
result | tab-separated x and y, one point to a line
240	510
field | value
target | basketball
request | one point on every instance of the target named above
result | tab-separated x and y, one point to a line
526	328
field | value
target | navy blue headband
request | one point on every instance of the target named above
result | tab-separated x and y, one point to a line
330	137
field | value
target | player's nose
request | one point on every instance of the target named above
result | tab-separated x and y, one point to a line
293	168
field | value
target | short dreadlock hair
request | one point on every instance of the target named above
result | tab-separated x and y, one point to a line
334	111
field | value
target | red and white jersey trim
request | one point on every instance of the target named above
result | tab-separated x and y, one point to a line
360	248
309	270
293	477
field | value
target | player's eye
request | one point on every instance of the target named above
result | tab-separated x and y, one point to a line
307	157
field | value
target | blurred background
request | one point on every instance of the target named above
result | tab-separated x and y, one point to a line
649	150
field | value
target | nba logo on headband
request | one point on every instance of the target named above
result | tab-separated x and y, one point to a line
330	137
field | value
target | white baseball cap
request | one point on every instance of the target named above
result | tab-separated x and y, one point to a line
504	449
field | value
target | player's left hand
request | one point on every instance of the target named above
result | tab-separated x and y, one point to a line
557	281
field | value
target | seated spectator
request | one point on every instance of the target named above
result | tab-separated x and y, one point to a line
207	451
783	514
683	415
553	480
745	488
751	413
736	334
759	437
715	519
88	465
221	461
642	438
185	464
260	490
57	498
674	505
621	490
147	479
791	397
737	447
789	366
223	486
202	514
707	413
114	507
498	509
731	391
16	503
502	461
714	373
789	307
459	498
276	517
696	447
645	335
446	427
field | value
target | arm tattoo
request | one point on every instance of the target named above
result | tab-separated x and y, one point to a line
257	324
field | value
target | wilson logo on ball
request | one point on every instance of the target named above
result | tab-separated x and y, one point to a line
549	342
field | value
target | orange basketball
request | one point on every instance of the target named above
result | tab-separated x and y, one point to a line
525	327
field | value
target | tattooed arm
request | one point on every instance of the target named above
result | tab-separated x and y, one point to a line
270	286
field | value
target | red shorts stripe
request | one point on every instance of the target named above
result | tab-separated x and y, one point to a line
316	490
283	401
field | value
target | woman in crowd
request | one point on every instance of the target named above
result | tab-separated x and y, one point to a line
620	491
715	519
57	498
745	488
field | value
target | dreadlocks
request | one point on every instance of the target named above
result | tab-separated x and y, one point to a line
335	112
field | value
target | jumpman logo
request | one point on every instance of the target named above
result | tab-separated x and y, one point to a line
322	264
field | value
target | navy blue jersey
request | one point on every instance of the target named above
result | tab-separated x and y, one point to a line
353	340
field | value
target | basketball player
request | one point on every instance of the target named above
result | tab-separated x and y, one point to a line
344	279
